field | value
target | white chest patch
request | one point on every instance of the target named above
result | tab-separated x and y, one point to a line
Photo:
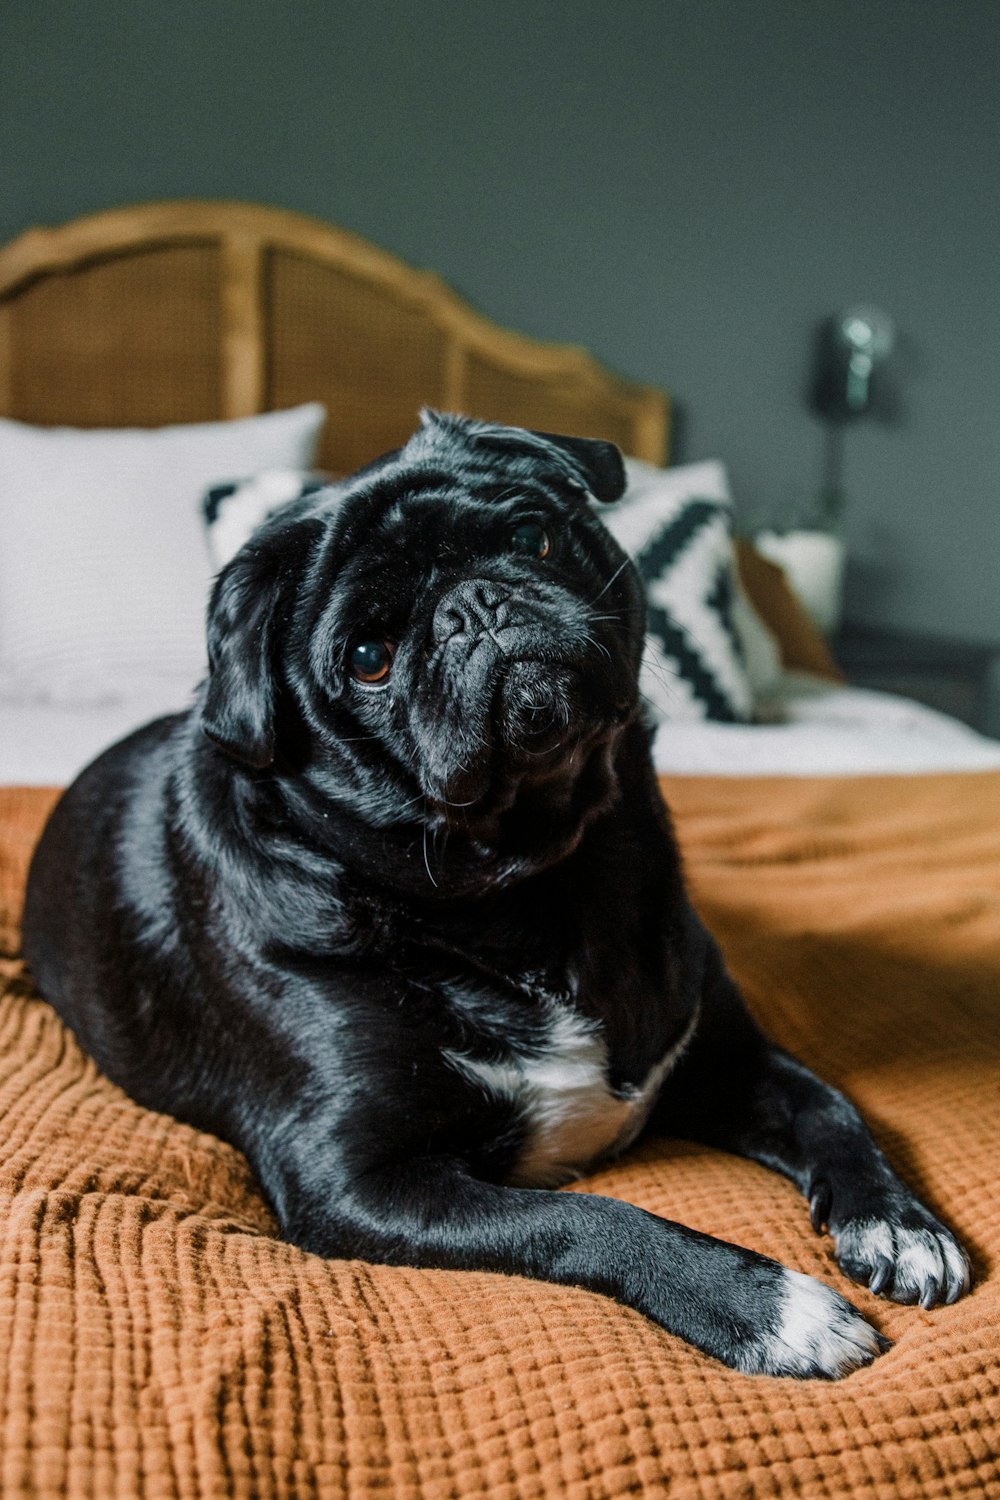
561	1090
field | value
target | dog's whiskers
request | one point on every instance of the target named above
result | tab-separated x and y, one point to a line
427	864
513	489
611	580
599	645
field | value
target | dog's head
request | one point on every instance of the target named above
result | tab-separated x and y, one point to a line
450	638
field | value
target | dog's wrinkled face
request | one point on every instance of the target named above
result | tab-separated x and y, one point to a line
451	638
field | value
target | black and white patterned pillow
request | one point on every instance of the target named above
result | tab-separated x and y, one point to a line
233	511
676	524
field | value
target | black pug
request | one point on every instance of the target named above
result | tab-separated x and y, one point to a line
396	908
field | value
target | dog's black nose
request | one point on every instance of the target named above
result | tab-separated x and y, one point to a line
469	609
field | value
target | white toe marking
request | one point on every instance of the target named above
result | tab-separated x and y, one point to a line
917	1256
959	1266
819	1332
866	1240
920	1259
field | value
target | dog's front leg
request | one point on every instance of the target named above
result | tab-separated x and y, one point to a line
736	1090
743	1308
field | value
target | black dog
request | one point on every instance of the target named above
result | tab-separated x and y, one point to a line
397	909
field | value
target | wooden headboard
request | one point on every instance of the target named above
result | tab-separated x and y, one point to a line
191	311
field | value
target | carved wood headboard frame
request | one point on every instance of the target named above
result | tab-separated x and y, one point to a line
192	311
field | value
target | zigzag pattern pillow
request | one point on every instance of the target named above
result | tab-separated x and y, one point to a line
676	524
233	511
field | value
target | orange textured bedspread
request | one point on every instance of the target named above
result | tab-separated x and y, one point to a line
157	1341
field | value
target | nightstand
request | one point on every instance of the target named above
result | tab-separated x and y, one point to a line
957	677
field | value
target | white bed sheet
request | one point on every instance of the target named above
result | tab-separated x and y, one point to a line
829	732
43	744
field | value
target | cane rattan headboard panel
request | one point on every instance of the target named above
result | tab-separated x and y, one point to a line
191	311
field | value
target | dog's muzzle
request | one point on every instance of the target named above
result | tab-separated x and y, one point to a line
481	613
516	682
474	607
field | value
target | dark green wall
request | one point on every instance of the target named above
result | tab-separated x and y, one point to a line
686	186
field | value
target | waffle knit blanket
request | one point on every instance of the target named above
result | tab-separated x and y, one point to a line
156	1340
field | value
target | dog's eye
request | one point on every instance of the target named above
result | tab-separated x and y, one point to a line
370	660
531	538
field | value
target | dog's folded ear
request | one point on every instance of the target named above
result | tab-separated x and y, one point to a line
592	463
601	465
245	614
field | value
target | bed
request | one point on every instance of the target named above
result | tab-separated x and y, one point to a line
157	1338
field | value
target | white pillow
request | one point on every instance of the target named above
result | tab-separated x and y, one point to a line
676	524
104	572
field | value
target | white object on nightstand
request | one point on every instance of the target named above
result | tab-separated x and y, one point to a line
814	566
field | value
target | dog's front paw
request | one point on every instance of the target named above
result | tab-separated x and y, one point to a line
816	1333
904	1254
907	1262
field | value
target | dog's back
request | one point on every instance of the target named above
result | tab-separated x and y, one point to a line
83	886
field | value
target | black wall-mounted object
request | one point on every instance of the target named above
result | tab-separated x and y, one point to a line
850	347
